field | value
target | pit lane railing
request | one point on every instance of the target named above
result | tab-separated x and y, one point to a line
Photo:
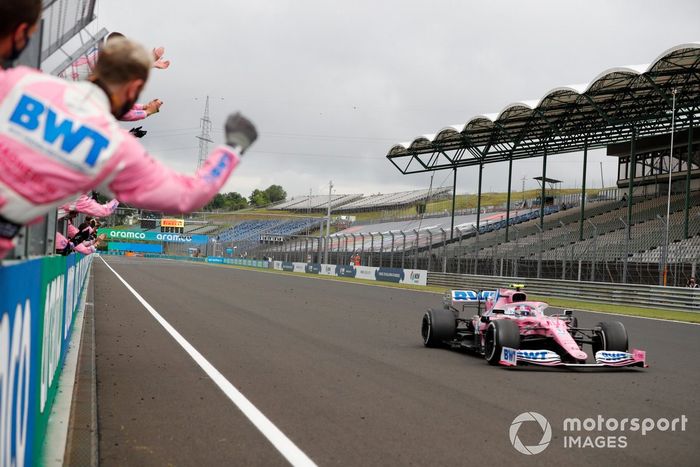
647	296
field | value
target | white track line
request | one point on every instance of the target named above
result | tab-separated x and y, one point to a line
279	440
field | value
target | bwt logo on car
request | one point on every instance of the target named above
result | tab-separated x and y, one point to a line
471	296
27	116
532	355
614	355
509	354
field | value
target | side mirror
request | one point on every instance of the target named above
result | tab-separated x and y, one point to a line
485	319
568	312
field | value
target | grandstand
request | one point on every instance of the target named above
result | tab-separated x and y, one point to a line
247	235
605	226
394	200
686	250
314	203
359	203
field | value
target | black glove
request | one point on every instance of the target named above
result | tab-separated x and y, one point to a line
138	132
240	132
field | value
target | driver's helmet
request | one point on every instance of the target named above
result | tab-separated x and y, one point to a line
524	310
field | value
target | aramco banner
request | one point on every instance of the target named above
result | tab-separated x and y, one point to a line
38	302
114	234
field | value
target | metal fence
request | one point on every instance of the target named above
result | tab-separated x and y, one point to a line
62	20
604	248
674	298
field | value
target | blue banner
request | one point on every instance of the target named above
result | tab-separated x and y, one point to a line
345	271
20	354
137	247
390	275
38	302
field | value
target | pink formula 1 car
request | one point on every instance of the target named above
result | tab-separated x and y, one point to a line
510	330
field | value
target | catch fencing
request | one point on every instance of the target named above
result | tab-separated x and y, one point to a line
605	247
672	298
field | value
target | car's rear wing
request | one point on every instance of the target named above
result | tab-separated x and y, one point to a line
459	299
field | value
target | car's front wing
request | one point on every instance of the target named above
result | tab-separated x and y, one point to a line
603	358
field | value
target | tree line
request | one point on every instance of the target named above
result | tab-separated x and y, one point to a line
234	201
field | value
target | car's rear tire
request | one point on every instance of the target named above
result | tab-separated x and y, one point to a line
500	333
438	326
611	336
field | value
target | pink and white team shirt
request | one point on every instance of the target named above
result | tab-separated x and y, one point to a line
58	140
86	205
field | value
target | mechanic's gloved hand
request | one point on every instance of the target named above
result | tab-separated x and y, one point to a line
240	132
138	132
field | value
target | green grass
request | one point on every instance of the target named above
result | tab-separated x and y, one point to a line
658	313
580	305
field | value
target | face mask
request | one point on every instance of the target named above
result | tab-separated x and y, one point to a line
124	109
17	51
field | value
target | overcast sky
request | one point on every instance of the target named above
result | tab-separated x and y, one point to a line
333	85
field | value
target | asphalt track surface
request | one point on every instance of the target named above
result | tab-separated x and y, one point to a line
341	370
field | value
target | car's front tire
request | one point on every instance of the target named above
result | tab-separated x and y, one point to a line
612	335
500	333
438	326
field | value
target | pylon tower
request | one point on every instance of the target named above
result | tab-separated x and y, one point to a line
205	136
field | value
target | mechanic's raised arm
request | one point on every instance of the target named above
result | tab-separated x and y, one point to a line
136	113
146	183
89	206
141	111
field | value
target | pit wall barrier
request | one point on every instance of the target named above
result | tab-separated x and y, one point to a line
251	263
136	247
38	302
394	275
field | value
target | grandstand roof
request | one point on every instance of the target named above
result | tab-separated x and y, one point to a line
547	180
568	118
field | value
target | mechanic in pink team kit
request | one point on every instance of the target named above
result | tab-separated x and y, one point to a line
59	139
83	68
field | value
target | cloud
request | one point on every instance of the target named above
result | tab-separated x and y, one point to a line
332	86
